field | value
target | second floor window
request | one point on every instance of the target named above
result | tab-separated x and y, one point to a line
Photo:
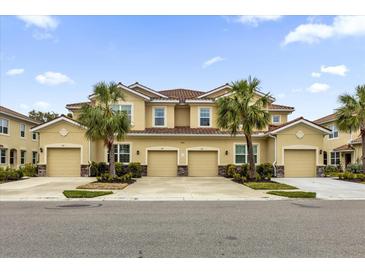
22	157
159	117
204	117
335	158
3	156
22	130
334	132
34	136
276	119
125	108
241	154
4	126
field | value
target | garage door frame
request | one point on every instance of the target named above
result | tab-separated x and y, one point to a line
303	148
162	149
203	149
64	148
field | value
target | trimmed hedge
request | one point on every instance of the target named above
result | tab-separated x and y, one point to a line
29	170
107	178
10	174
98	169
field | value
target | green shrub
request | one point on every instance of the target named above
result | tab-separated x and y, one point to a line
354	168
135	169
10	174
120	169
330	170
107	178
265	171
29	170
231	170
360	176
243	170
237	178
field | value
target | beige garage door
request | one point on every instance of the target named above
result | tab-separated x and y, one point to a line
162	163
63	162
300	163
203	163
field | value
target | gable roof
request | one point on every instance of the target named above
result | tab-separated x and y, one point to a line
14	114
298	121
181	93
129	90
138	85
56	120
326	119
275	107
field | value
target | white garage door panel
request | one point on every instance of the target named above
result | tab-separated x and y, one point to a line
162	163
300	163
63	162
203	163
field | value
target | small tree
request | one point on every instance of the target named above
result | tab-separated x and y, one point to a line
240	109
42	117
104	123
351	115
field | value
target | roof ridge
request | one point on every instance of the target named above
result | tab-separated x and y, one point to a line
18	115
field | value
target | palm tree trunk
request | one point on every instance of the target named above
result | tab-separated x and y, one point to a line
251	160
363	149
111	159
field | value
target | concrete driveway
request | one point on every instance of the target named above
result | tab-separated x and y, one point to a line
328	188
40	188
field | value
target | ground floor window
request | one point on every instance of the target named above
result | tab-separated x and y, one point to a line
335	158
241	153
22	157
3	156
325	159
34	157
121	153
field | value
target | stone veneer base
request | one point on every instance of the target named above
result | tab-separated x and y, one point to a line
42	170
182	171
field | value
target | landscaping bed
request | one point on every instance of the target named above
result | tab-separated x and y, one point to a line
293	194
268	185
85	194
97	185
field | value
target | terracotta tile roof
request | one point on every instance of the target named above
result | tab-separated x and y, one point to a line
279	107
273	127
18	115
358	140
346	147
181	93
326	119
76	105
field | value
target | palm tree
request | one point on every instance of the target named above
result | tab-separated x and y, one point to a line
351	115
239	111
104	123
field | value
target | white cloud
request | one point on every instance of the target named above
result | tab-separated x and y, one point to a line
337	70
315	74
341	26
41	105
38	35
281	95
318	87
15	71
212	61
24	106
256	20
40	21
53	78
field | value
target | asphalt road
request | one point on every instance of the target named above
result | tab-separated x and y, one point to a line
300	228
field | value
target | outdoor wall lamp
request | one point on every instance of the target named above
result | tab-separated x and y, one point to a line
137	152
41	150
226	152
320	151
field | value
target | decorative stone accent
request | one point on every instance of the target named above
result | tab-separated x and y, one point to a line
63	132
42	170
84	172
222	170
300	134
280	171
320	171
144	170
182	171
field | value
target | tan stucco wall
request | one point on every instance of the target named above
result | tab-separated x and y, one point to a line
14	141
312	139
184	143
170	114
182	116
51	137
283	116
194	114
357	154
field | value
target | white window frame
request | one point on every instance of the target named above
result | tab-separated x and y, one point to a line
210	116
8	127
118	160
332	128
335	158
36	136
272	119
23	158
5	156
34	160
246	155
20	130
165	116
132	109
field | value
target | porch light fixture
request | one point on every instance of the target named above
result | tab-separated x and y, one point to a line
41	150
226	152
320	151
137	152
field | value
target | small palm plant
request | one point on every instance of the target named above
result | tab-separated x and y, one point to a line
241	111
104	123
350	116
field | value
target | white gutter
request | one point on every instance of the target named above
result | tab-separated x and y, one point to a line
274	163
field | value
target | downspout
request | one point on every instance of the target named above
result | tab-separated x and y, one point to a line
274	163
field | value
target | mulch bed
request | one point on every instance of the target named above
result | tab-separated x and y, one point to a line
97	185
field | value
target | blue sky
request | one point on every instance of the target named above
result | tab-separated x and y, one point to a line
304	61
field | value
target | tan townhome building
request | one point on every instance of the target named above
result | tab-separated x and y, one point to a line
18	144
340	148
175	133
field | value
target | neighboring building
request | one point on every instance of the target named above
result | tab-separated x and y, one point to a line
18	145
175	133
340	148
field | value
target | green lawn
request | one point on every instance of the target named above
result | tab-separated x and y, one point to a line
268	185
293	194
85	194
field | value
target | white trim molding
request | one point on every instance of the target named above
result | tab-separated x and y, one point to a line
162	148
210	116
202	149
61	118
138	85
165	116
66	146
299	147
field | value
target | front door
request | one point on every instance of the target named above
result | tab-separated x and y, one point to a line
347	159
13	160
